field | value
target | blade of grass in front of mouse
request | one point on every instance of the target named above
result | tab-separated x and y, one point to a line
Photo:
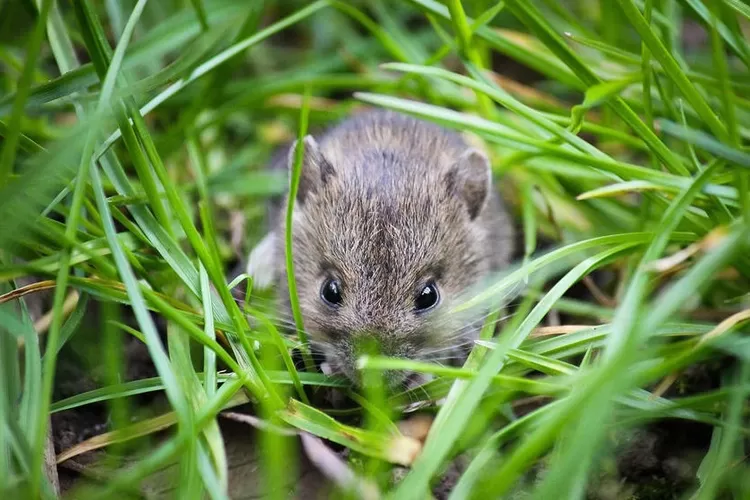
294	179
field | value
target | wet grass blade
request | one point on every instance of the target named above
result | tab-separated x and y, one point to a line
294	179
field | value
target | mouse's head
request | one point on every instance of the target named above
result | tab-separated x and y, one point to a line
385	243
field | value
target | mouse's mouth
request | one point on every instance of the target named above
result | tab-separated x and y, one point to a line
415	379
340	363
395	381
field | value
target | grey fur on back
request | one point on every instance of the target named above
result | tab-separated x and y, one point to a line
387	203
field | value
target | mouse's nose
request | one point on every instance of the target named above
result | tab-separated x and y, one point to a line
376	343
372	343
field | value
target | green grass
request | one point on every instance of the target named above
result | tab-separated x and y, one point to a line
133	133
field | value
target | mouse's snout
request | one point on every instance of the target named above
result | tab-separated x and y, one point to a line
370	342
377	343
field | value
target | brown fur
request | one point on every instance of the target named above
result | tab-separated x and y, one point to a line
387	202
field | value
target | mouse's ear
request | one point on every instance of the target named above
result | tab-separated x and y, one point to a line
314	170
470	178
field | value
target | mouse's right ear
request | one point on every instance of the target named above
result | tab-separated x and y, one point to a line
314	170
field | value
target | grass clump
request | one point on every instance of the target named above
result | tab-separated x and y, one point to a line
132	181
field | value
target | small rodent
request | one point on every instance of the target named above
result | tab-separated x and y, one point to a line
395	219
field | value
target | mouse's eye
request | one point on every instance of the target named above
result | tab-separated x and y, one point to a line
331	292
427	298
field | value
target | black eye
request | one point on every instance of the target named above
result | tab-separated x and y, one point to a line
427	298
331	292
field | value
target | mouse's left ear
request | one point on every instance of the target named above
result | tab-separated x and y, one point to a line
470	177
315	169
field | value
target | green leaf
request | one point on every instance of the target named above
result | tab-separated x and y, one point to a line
595	95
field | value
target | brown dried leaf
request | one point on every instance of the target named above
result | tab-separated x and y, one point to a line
725	325
416	427
136	430
709	242
545	331
25	290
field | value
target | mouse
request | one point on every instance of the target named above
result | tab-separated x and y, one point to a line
395	220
